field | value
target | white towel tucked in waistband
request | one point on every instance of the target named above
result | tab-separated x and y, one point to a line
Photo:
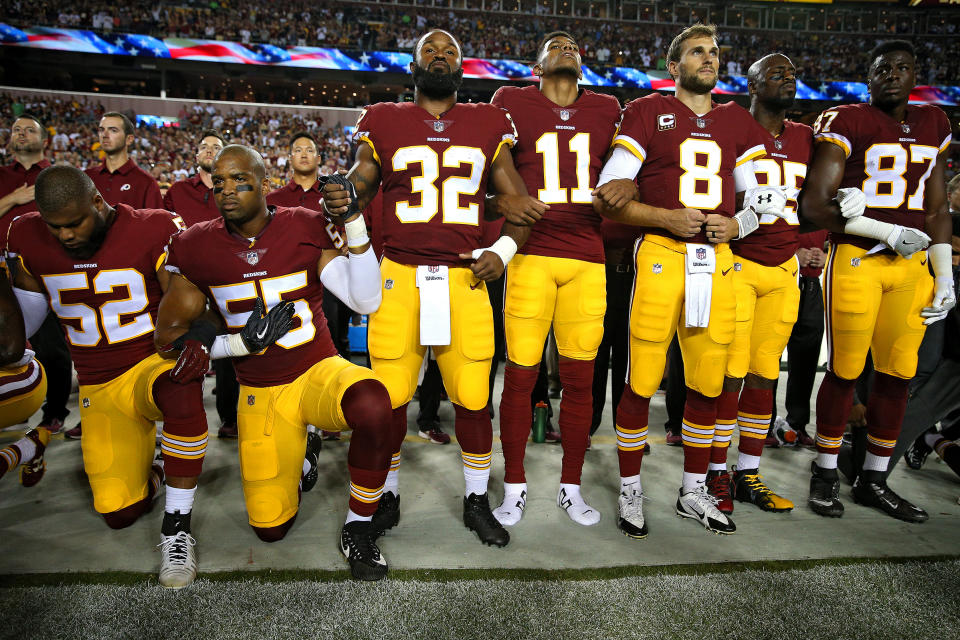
434	285
701	263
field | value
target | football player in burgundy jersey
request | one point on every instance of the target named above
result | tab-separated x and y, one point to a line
690	157
258	258
433	159
22	387
558	279
887	159
765	272
100	269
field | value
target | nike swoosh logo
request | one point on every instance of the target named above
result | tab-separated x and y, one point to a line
923	261
794	273
260	334
726	272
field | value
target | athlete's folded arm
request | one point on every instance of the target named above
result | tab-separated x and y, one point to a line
817	199
181	305
938	225
354	278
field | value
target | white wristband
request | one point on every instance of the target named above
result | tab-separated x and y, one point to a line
505	247
228	346
356	231
941	259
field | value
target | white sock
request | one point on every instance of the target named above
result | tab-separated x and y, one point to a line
717	466
179	500
514	501
692	481
630	484
873	462
931	438
569	499
827	460
392	483
28	448
353	517
746	461
475	480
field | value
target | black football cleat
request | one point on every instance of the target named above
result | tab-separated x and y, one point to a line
917	454
478	518
825	492
387	515
312	455
871	490
358	544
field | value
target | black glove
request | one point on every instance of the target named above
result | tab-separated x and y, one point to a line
345	185
263	330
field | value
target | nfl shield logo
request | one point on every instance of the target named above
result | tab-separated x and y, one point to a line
905	127
86	403
252	257
564	115
251	400
701	253
737	266
388	284
657	267
778	144
433	269
855	262
438	126
701	123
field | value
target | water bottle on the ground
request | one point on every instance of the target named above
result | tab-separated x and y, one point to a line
540	417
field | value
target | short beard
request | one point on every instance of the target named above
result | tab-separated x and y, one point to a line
694	84
208	167
25	149
93	244
436	85
779	104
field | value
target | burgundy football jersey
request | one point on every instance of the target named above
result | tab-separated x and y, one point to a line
559	154
688	160
107	304
433	174
786	164
293	195
889	161
279	264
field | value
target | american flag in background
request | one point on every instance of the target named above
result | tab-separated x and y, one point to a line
122	44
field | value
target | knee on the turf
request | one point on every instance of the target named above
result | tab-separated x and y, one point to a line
123	518
274	534
111	495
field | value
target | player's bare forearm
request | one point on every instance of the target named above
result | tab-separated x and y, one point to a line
512	201
816	201
518	233
182	303
937	223
365	175
12	338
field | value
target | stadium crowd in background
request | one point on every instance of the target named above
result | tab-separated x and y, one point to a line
486	34
168	153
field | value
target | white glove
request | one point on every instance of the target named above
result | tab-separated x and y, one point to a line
944	296
907	241
763	200
852	202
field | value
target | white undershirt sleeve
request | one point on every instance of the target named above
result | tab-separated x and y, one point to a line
622	165
355	280
745	176
34	308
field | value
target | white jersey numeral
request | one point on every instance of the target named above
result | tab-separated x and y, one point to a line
450	190
548	145
108	316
